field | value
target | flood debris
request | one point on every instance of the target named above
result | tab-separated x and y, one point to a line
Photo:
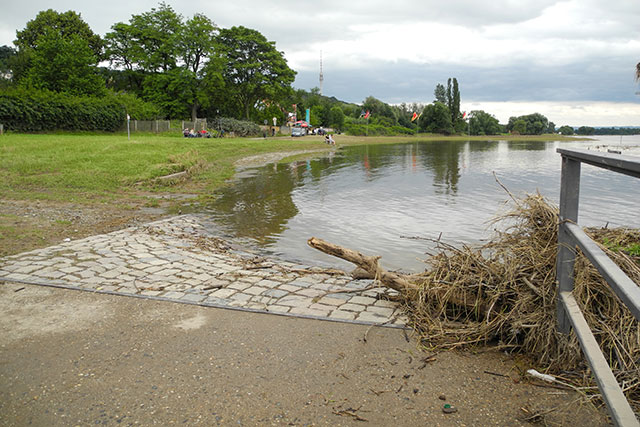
504	293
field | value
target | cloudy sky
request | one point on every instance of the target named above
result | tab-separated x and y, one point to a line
572	61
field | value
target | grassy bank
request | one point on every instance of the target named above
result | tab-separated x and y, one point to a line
86	168
54	186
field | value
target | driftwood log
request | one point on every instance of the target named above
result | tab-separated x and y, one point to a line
469	300
368	263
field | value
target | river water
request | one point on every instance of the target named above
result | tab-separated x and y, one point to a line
374	198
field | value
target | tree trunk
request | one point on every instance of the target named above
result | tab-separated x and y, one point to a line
367	263
194	112
467	299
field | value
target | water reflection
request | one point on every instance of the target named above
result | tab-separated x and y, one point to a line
368	197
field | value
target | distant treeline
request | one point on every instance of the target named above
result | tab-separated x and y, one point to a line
617	131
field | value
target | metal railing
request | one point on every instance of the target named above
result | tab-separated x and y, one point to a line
571	235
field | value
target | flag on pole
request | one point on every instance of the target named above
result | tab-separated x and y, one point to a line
414	117
366	116
465	116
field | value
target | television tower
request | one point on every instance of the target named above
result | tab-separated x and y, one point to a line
321	76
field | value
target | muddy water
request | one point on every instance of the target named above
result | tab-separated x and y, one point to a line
378	198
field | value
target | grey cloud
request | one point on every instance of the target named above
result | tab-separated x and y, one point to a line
408	82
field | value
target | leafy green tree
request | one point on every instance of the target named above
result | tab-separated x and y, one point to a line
551	128
482	123
440	94
197	41
566	130
585	130
62	25
519	126
535	124
6	53
156	38
253	69
436	118
64	65
452	96
336	118
379	109
122	51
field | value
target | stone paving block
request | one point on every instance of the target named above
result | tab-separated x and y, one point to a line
241	297
289	288
385	303
219	301
174	294
278	308
322	307
328	300
311	293
249	279
239	285
352	307
366	316
268	283
255	290
276	293
308	312
382	311
223	293
193	297
294	301
343	315
301	283
150	293
362	300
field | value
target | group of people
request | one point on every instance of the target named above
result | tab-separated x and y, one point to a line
328	138
191	133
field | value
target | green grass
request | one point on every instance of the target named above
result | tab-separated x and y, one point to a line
102	167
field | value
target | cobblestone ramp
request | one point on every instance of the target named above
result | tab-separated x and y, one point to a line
177	260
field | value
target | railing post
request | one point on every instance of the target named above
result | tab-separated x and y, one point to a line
569	198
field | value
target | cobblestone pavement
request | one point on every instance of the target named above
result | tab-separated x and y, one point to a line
177	260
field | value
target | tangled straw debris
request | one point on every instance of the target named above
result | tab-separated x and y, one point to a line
504	292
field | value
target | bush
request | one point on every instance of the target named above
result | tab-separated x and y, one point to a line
25	110
136	107
238	127
376	130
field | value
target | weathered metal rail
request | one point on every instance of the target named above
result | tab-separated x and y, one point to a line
570	236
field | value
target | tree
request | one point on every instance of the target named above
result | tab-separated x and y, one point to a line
61	24
453	102
551	128
520	127
336	118
535	124
436	118
440	94
59	52
481	123
253	69
638	72
566	130
585	130
6	53
64	65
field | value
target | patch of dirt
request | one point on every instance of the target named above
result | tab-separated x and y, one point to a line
28	225
266	158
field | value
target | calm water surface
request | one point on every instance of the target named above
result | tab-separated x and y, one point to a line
371	198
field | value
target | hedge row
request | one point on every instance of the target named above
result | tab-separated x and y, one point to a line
238	127
377	130
36	111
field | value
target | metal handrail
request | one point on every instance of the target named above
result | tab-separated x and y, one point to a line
571	235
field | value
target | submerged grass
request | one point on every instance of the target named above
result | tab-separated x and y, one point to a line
505	292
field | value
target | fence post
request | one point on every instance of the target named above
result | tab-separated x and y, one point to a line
1	129
569	198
